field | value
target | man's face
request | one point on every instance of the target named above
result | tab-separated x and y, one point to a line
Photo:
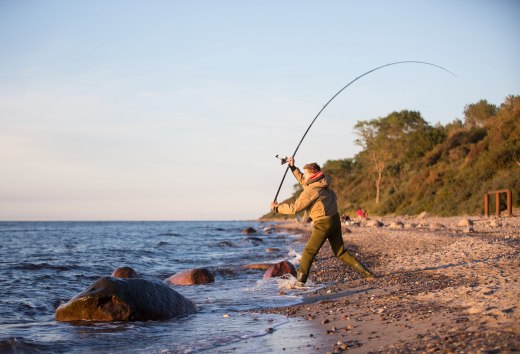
306	175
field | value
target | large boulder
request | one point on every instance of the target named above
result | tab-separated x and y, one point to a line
192	277
133	299
279	269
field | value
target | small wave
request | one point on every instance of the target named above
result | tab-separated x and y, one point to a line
296	257
254	240
226	244
19	230
170	234
228	271
40	266
21	345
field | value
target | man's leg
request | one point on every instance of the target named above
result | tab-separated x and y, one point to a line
317	239
336	243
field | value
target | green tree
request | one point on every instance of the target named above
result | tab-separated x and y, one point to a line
394	139
477	114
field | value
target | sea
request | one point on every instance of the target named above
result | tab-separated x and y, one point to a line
45	264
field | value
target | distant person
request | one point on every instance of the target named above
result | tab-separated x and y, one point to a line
321	203
360	213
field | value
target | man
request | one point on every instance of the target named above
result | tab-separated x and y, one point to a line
321	203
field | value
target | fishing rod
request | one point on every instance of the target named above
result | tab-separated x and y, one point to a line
284	159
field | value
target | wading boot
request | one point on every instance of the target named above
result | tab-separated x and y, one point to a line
301	279
366	273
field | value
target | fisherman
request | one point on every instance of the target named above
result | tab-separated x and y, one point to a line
321	203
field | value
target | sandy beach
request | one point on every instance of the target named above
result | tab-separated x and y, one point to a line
443	285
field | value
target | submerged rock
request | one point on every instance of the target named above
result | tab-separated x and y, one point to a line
279	269
124	273
133	299
261	266
268	230
248	231
192	277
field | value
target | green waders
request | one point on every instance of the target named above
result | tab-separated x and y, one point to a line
328	229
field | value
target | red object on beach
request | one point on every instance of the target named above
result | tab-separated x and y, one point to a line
279	269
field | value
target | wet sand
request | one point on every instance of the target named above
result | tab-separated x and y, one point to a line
442	285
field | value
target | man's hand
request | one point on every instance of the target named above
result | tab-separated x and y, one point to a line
290	161
274	205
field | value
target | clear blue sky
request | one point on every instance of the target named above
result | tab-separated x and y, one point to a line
170	110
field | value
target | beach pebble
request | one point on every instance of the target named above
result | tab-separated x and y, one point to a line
494	223
374	223
465	222
437	226
422	215
396	225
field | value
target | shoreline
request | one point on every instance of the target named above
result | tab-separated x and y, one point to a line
444	284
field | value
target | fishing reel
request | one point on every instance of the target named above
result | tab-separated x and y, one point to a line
283	160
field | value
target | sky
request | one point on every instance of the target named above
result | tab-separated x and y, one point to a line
175	110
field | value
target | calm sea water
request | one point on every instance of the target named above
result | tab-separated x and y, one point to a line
44	264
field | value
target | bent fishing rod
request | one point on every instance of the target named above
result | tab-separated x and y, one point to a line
284	159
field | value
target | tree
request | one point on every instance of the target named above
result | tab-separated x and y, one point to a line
393	139
477	114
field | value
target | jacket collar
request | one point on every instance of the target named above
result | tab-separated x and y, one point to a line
315	177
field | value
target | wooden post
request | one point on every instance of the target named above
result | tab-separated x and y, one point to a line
486	205
497	203
509	196
509	203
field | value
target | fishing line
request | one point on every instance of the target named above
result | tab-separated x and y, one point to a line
284	159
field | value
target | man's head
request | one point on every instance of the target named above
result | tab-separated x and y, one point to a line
310	169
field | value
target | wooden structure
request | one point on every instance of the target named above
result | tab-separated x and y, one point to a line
497	202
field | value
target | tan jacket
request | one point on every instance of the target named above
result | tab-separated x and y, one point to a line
317	197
